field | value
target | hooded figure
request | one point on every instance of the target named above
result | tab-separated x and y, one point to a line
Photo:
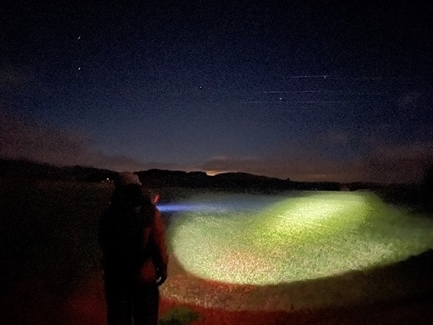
132	239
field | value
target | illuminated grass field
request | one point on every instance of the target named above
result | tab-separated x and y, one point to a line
289	241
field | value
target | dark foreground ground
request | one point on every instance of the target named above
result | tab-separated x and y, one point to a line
49	270
85	306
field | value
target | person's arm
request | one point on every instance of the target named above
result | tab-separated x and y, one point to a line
160	254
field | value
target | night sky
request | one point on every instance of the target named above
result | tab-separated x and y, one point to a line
310	91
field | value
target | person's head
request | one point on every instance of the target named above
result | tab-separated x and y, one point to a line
126	178
129	190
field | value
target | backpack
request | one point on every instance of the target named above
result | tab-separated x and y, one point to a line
122	234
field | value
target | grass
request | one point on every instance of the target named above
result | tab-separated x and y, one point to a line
288	239
310	250
179	316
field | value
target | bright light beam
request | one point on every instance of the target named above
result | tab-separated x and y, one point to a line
293	238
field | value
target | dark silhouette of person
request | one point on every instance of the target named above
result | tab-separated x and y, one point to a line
132	239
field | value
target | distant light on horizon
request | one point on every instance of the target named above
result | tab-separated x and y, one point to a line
215	172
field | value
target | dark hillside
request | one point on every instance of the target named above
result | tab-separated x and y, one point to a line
417	196
32	171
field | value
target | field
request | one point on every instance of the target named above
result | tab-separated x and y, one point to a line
293	258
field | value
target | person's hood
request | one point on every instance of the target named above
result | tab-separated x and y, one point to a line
126	178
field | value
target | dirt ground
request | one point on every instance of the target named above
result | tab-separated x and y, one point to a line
87	307
419	311
30	303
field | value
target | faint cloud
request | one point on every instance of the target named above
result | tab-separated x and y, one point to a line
399	163
386	161
23	139
27	140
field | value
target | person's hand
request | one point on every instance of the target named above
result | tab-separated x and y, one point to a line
162	276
